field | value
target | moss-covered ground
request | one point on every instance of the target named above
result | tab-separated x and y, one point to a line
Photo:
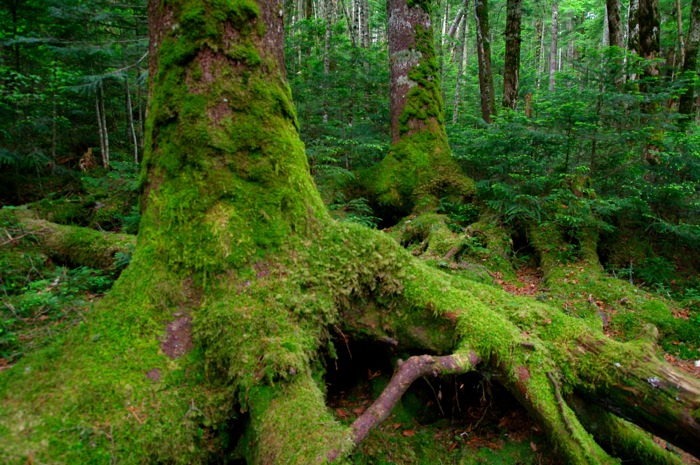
126	371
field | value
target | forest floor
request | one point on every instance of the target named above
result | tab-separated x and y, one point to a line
461	420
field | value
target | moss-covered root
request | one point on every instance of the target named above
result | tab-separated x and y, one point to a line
290	424
540	393
72	244
642	388
620	437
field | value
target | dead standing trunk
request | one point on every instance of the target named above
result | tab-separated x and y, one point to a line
511	71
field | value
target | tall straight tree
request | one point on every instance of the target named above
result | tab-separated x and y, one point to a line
690	64
633	41
483	52
461	48
553	46
511	71
649	35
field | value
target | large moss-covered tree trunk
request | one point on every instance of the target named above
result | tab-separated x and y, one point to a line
207	349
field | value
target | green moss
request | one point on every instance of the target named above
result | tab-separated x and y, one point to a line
285	425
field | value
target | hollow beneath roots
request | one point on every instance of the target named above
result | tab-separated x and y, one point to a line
465	419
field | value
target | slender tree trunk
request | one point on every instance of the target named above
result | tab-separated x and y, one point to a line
54	112
364	23
681	42
553	46
570	41
483	49
511	72
130	118
539	50
461	46
100	129
456	23
690	62
328	19
612	8
105	132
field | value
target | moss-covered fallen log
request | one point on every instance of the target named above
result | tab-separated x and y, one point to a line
73	245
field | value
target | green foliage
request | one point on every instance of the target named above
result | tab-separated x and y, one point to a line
35	311
53	57
460	214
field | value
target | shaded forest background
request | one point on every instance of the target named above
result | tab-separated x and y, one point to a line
590	115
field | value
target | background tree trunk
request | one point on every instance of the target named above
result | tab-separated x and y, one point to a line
483	52
649	34
612	8
690	64
553	46
511	72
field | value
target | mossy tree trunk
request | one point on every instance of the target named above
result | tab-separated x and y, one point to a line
210	340
419	168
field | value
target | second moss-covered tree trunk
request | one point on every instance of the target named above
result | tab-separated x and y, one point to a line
419	168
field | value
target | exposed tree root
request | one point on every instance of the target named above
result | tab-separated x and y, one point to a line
409	371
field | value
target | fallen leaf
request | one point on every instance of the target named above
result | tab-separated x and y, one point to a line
397	425
409	433
533	446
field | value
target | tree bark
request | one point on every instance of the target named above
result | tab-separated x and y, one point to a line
681	42
612	7
483	51
649	35
690	63
460	58
633	40
511	72
553	46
